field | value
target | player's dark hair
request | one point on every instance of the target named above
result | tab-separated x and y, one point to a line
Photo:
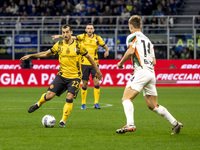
66	26
136	22
90	24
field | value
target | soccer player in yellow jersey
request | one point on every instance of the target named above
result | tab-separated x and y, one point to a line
69	75
91	42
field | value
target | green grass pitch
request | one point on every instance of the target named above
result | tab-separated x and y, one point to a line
92	129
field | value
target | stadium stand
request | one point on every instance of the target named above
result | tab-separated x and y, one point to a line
110	18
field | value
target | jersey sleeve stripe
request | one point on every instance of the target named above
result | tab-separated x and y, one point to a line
85	54
51	50
103	45
132	39
132	42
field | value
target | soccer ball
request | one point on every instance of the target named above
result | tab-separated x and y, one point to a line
48	121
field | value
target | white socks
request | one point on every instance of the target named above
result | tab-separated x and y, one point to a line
165	114
129	110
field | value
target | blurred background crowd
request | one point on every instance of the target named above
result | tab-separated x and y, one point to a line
124	8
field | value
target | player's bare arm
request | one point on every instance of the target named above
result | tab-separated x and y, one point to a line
61	36
37	55
106	54
91	60
126	56
154	61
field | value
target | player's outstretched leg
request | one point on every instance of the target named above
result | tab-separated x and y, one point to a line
126	128
38	104
176	129
33	108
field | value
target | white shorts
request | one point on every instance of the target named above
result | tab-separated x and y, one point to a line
143	79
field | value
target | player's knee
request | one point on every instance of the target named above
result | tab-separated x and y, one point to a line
151	107
85	84
70	95
50	95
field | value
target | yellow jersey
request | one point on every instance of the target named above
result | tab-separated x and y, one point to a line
69	58
91	45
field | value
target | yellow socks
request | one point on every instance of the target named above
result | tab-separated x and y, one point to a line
42	100
84	95
67	109
96	94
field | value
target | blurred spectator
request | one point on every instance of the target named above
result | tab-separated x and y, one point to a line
74	12
135	11
112	5
159	11
38	7
52	8
64	12
61	6
7	13
101	7
13	8
34	12
162	22
159	54
43	6
48	12
138	6
93	12
78	22
185	54
5	6
154	25
164	7
120	5
83	11
107	12
1	11
29	7
69	8
125	13
96	4
80	5
172	7
129	5
115	12
173	55
85	21
89	5
147	9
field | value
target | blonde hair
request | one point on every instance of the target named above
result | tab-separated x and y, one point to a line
135	21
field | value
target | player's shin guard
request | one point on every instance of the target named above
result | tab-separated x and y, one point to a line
165	114
96	94
67	109
128	110
42	100
83	95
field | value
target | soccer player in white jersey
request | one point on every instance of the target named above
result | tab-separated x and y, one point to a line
141	52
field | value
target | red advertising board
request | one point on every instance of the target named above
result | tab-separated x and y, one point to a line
183	73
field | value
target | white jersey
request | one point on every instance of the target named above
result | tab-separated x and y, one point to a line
144	50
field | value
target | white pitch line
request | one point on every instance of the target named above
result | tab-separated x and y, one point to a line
102	105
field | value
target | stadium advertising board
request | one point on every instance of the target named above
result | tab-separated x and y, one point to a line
168	73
